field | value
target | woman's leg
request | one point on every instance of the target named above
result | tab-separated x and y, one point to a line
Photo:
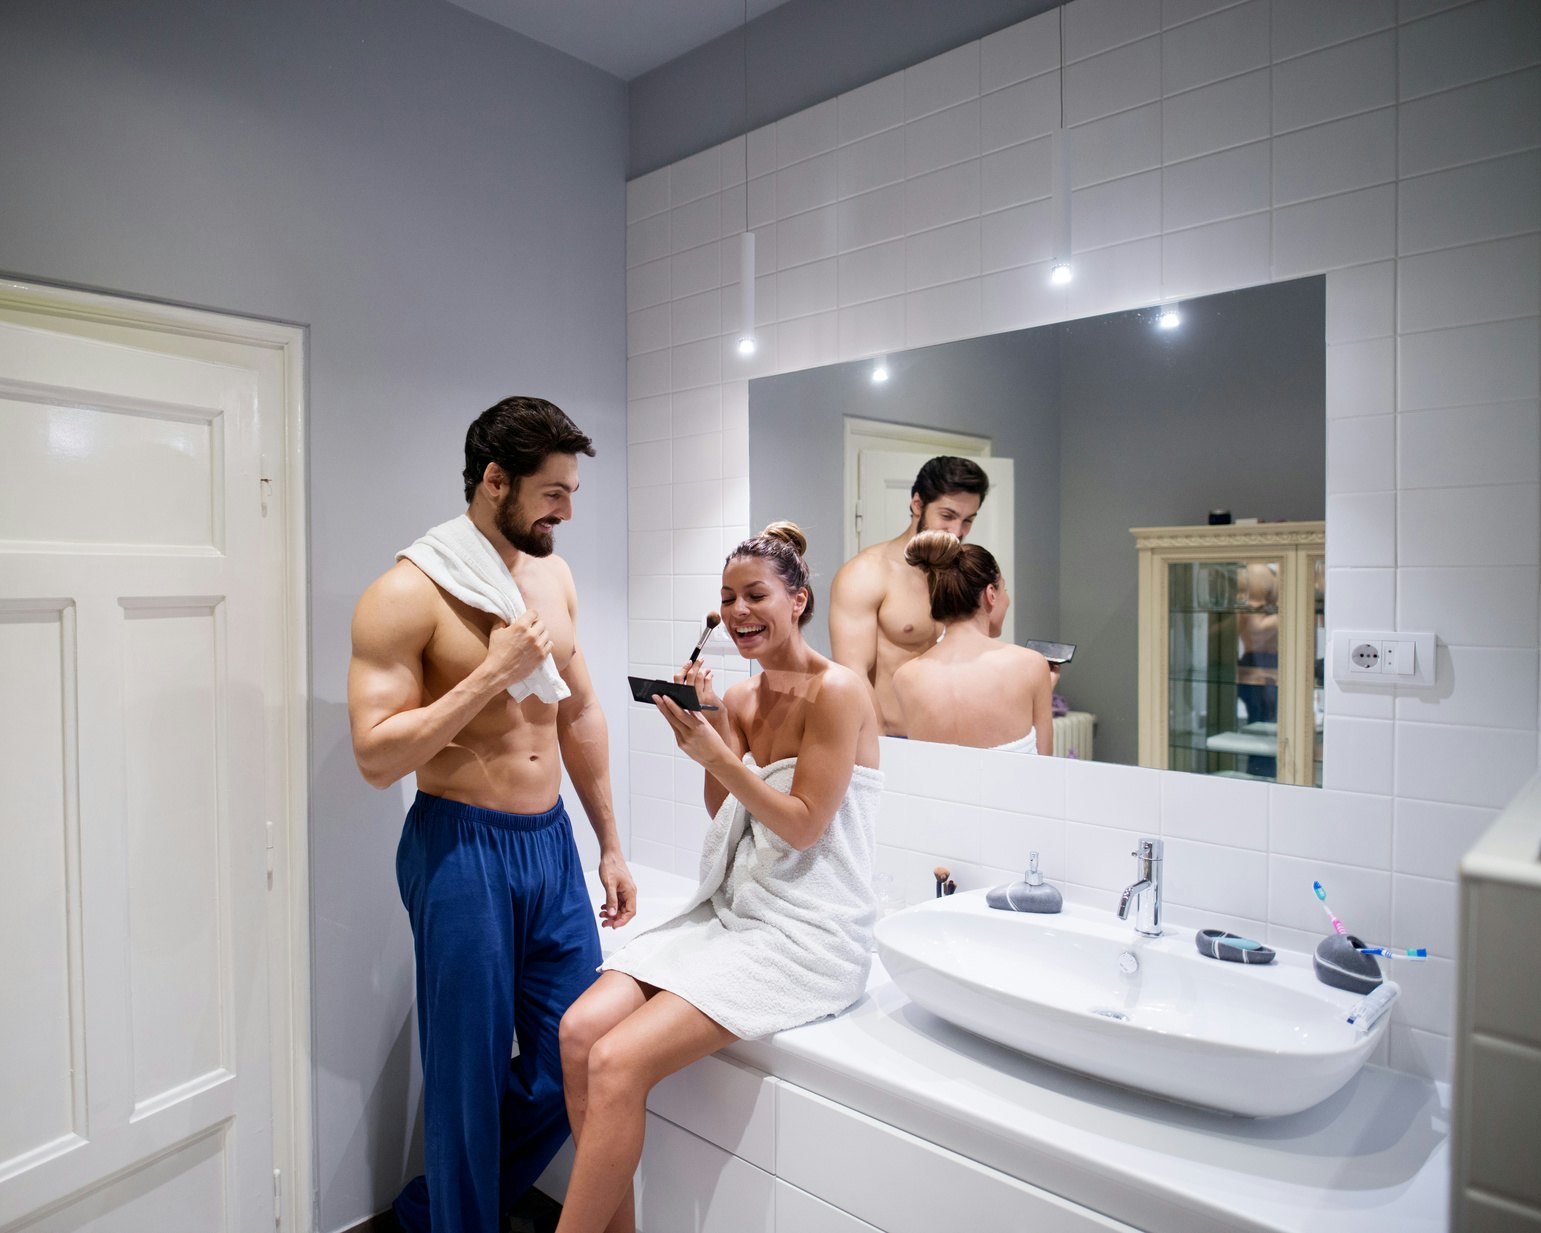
659	1038
598	1009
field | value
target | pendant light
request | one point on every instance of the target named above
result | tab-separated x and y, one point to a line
747	343
1061	271
1168	312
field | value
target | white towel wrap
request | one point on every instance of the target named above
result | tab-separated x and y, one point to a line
773	936
1023	744
457	556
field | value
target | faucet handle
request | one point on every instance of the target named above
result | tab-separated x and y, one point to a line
1149	850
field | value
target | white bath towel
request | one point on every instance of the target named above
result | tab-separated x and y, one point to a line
773	937
463	561
1023	744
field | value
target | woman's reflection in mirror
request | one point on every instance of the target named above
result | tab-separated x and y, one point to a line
970	688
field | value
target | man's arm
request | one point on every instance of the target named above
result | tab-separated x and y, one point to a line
854	599
394	734
584	739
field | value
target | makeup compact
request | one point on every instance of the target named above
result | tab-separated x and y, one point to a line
645	689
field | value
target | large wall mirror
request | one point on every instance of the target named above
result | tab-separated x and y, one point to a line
1206	434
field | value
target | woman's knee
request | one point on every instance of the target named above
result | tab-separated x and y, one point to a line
579	1029
614	1071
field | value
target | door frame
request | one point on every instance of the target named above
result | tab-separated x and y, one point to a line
288	915
860	433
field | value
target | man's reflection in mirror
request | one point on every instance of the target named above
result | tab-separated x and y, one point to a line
970	688
1257	665
880	611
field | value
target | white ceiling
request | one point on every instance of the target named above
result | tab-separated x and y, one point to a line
623	37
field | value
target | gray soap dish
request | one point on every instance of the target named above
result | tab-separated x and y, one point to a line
1232	947
1030	894
1338	963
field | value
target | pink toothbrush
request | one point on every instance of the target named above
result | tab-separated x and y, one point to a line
1322	895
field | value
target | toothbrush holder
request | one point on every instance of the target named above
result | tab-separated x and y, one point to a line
1338	963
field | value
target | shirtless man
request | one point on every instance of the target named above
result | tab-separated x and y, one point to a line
502	928
879	607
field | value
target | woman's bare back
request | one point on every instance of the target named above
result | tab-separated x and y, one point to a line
964	696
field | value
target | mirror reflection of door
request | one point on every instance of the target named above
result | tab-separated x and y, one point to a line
880	505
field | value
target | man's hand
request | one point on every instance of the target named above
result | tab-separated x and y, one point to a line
514	651
620	891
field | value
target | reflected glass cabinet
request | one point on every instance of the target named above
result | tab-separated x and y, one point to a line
1232	639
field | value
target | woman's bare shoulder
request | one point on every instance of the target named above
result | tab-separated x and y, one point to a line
841	687
1024	660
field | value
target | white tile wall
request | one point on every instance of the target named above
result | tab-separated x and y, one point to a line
1395	147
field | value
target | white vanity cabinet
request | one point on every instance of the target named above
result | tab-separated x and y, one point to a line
887	1179
732	1150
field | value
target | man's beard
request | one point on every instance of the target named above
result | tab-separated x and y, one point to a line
534	539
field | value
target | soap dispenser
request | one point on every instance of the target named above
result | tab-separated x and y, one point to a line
1031	894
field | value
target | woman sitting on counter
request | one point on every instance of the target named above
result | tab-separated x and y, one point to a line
970	688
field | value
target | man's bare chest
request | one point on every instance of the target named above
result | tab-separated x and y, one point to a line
904	616
459	641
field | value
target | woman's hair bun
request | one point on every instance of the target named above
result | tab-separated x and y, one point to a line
933	550
788	533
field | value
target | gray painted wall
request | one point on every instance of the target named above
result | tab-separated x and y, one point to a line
1157	429
1004	387
1114	424
800	53
442	202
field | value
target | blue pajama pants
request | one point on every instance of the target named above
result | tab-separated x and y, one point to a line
505	941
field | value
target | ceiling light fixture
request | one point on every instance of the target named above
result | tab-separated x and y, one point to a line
1170	318
746	339
1062	271
747	343
880	371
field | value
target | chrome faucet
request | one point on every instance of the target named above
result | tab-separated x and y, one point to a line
1145	894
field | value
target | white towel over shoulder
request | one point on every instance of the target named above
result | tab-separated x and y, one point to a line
773	937
463	561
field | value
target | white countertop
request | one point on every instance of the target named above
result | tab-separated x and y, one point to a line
1372	1158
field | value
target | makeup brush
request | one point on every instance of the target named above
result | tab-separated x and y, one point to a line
941	874
712	622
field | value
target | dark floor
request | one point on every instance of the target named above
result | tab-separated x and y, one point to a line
535	1214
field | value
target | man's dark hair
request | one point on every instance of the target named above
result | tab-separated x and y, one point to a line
946	474
519	434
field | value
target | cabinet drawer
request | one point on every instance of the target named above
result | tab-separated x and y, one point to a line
1505	1084
725	1103
797	1211
902	1184
687	1185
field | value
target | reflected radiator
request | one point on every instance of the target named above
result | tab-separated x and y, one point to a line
1073	735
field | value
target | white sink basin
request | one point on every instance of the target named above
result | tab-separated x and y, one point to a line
1256	1040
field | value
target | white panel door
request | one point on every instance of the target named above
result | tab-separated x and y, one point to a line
886	480
134	1047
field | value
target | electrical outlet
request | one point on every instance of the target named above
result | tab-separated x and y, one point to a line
1365	657
1383	658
